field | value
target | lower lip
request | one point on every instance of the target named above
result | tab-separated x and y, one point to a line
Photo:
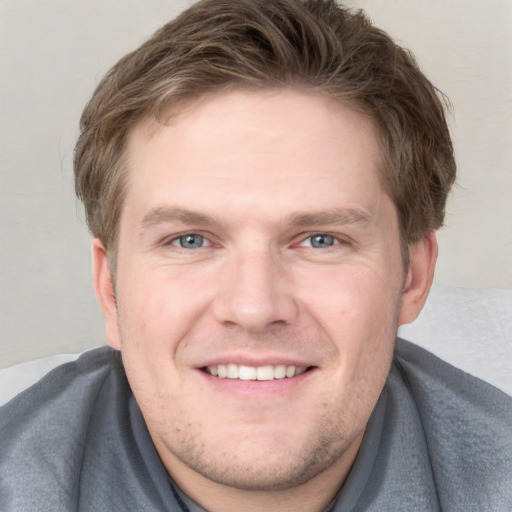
256	388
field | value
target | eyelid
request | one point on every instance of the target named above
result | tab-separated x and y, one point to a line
206	242
339	239
171	239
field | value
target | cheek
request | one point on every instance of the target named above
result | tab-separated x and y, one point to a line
154	298
158	310
151	325
352	295
357	308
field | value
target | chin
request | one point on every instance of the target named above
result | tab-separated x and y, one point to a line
264	462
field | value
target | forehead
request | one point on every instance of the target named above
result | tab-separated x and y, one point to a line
311	114
243	145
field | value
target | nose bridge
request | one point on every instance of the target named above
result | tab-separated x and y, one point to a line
255	293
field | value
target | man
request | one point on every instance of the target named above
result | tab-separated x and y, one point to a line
263	180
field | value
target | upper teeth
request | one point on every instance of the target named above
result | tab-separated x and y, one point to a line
270	372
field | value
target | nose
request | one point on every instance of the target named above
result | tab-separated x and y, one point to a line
254	293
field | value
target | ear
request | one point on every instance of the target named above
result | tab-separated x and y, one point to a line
104	288
422	262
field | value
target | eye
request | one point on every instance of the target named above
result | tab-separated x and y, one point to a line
191	241
320	241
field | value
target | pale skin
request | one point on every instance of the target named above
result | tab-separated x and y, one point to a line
255	231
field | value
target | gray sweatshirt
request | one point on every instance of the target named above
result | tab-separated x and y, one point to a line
438	439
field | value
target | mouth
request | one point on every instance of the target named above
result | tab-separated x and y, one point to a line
267	372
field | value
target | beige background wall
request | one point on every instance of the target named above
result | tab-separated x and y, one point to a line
53	52
465	47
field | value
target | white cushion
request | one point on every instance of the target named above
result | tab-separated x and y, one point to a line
16	378
471	328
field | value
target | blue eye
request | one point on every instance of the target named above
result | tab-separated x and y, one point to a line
190	241
321	241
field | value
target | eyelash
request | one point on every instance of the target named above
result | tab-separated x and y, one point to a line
176	240
335	240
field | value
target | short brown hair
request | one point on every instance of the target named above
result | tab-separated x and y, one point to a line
313	45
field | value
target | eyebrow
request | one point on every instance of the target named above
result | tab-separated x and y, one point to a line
162	215
337	216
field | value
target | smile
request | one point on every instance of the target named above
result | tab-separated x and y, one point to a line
268	372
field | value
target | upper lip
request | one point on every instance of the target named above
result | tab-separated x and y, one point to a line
255	361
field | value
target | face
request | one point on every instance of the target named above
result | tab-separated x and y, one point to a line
259	286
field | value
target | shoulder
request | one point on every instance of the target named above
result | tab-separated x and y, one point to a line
467	425
70	385
45	428
437	384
